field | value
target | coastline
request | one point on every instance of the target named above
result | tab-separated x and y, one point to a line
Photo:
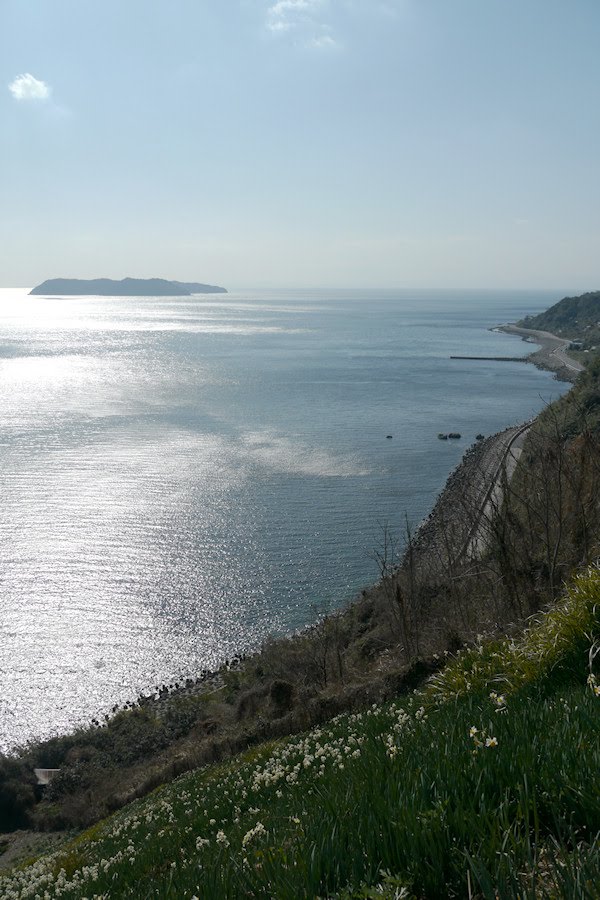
450	533
464	490
467	486
242	707
477	471
162	678
551	355
444	536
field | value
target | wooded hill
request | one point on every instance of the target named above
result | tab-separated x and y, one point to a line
571	317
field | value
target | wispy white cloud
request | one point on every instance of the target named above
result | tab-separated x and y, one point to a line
26	87
287	14
278	25
291	8
299	15
323	42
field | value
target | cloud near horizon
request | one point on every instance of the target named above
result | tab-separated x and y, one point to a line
27	87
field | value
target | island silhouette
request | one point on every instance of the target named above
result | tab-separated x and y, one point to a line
127	287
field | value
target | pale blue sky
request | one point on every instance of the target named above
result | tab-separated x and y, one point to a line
333	143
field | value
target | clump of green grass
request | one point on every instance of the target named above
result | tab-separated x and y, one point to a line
551	650
456	790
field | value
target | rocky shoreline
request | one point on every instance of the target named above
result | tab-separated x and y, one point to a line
442	536
551	356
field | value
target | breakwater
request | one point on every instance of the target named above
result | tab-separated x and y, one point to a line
495	358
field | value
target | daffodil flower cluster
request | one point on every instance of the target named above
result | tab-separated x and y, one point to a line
192	823
258	830
499	701
593	683
404	722
315	753
481	739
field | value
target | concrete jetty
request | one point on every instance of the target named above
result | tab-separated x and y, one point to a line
495	358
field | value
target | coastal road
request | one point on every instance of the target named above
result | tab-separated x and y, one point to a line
569	363
508	446
458	526
552	353
509	449
455	529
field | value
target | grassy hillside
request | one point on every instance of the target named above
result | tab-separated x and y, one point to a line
482	784
573	317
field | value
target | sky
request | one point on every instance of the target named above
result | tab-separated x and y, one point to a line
301	143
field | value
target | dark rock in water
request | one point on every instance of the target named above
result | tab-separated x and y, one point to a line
479	437
389	436
127	287
454	435
442	437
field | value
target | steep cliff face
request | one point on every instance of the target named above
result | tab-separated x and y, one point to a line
127	287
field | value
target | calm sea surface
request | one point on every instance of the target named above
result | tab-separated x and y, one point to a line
183	476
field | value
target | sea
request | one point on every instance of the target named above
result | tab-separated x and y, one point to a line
184	477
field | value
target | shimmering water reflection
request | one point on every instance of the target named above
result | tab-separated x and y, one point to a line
182	477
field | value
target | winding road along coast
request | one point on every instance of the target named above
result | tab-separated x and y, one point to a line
458	526
552	353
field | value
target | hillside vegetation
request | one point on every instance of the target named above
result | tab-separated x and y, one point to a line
573	317
482	784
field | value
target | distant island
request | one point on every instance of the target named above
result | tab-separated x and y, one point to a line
127	287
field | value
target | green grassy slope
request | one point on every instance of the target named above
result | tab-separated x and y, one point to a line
485	784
